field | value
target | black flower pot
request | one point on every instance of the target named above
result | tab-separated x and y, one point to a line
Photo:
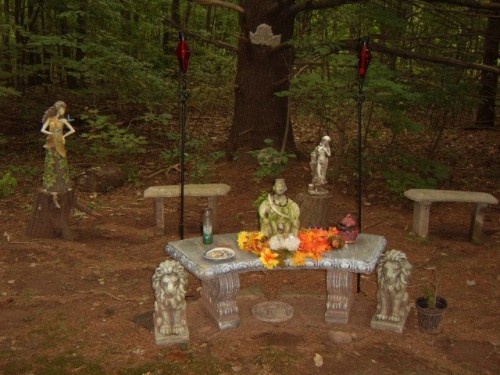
430	320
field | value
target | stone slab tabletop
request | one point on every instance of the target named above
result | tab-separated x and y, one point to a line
450	196
192	190
360	257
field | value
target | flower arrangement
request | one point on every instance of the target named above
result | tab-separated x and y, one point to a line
309	243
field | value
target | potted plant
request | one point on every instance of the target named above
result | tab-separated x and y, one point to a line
431	308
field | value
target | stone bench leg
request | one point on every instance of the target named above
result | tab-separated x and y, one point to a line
212	203
339	299
218	299
421	218
160	215
476	226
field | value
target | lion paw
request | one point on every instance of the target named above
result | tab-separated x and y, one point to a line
165	330
178	330
381	317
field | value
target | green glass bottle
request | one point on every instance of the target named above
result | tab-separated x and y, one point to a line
207	226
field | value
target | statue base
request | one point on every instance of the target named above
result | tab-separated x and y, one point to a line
387	325
315	210
51	215
171	339
317	190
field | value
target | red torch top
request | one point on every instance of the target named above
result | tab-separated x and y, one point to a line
364	58
182	51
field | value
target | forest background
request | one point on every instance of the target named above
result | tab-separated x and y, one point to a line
429	119
434	71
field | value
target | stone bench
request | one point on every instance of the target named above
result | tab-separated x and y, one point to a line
211	191
221	284
423	199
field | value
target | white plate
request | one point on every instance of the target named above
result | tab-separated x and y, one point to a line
219	253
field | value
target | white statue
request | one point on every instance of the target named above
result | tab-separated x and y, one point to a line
319	166
393	272
170	285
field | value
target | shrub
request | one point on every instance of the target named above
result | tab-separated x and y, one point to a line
8	185
417	173
107	139
271	161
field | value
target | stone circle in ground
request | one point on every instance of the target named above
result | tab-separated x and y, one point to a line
272	311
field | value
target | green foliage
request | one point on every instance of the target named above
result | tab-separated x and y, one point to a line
275	361
430	297
114	72
132	175
271	161
8	91
27	172
106	139
412	172
157	367
8	185
153	121
431	290
199	163
62	364
261	198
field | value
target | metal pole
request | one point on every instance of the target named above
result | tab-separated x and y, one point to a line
182	51
360	98
183	97
364	58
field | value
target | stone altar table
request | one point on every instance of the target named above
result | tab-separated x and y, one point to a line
221	283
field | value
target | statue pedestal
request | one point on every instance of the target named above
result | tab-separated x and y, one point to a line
387	325
171	339
51	215
315	210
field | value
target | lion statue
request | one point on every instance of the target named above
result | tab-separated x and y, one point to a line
170	285
393	272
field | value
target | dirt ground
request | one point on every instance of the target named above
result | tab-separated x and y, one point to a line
84	306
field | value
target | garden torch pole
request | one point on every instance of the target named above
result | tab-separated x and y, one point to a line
183	54
364	58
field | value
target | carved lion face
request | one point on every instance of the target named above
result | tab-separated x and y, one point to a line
170	284
394	268
171	277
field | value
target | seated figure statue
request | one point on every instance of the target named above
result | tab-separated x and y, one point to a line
278	214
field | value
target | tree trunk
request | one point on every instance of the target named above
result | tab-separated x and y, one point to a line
52	214
315	211
489	80
262	71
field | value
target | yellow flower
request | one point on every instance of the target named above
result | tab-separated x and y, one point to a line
268	259
299	258
242	239
259	236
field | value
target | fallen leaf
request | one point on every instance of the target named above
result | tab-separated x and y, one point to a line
318	360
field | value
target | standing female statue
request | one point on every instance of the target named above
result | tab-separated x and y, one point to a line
319	166
56	174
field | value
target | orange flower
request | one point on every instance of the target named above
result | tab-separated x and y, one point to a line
268	259
333	231
314	240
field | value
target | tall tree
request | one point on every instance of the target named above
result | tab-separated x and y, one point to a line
489	81
263	69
